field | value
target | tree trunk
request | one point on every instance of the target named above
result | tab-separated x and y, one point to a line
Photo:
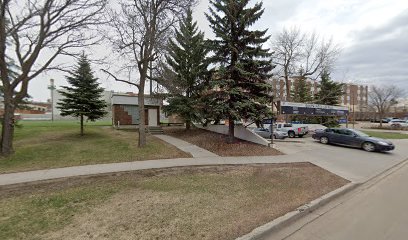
82	125
188	124
8	126
381	117
231	130
142	125
288	86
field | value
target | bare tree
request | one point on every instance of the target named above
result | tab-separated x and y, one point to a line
302	55
34	33
382	98
287	50
141	30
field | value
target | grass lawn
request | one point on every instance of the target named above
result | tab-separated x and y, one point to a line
46	144
217	144
387	135
222	202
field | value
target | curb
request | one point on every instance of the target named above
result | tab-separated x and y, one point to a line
285	220
290	217
288	141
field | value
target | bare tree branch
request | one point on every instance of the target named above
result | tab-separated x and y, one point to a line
302	55
140	33
382	98
120	80
35	33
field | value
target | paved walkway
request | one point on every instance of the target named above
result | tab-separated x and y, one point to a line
22	177
194	150
352	164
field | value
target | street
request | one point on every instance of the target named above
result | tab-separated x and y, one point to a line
376	210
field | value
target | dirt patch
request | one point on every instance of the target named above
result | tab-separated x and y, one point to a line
217	143
209	202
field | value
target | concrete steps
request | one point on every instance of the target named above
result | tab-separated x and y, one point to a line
155	130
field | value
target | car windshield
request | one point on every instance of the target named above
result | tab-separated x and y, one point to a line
359	133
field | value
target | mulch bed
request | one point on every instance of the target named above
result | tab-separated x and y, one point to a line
217	143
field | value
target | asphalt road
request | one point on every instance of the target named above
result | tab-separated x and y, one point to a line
375	211
353	164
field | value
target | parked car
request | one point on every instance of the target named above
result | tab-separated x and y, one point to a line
265	133
398	123
291	130
353	138
389	119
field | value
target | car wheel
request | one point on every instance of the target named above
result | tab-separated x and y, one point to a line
324	140
369	147
291	134
300	135
274	137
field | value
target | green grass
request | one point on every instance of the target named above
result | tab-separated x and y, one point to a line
41	145
387	135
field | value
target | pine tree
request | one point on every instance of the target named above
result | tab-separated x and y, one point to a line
329	94
242	64
83	98
301	91
187	60
330	91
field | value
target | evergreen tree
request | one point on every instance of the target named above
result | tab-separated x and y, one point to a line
329	94
83	98
243	65
187	60
301	91
330	91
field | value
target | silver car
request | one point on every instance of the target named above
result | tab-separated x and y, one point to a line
265	133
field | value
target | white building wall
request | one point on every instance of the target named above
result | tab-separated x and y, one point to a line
240	132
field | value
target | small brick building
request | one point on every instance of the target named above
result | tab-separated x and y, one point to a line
125	109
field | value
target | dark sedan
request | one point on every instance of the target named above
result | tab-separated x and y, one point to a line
353	138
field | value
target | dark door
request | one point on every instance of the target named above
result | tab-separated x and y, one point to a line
352	139
147	117
335	136
347	137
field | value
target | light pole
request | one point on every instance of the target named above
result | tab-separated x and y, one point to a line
52	88
271	126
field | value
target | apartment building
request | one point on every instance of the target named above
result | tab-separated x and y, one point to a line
355	96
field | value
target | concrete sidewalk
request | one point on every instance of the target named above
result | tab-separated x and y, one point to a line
38	175
352	164
194	150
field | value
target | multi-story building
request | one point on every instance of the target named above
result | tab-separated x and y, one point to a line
355	96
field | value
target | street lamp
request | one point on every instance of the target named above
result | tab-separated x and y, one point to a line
51	87
271	126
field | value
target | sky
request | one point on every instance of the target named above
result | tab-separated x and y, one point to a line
373	36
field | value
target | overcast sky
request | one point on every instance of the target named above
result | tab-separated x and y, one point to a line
372	33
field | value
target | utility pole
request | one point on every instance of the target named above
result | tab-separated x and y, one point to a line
52	88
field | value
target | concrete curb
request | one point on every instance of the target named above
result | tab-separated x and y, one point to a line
290	217
288	141
285	220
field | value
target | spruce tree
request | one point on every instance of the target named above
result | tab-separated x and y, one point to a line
83	97
330	91
329	94
242	64
187	60
301	91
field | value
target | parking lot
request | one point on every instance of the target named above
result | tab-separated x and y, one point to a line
354	164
